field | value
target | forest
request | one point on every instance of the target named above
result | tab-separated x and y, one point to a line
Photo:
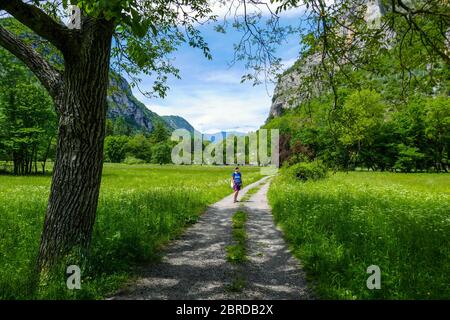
392	113
28	127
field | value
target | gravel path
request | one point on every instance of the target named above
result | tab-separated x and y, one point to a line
195	266
271	272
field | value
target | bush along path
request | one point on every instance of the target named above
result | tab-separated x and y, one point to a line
197	265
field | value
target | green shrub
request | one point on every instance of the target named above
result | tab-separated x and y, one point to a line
161	153
139	146
133	160
304	171
116	148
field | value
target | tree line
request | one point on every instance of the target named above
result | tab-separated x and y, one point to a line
27	118
367	132
372	120
28	127
138	148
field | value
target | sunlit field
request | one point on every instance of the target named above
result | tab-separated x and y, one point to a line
141	207
340	226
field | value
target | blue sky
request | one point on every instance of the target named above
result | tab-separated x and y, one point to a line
209	94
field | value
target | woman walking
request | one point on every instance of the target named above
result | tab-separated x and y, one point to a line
236	179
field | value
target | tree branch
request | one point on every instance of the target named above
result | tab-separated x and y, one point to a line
40	22
50	78
426	39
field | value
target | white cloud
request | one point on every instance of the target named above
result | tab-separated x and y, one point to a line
210	95
223	77
210	111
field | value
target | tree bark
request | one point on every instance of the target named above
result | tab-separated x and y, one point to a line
79	94
79	157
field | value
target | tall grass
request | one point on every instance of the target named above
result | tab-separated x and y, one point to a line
141	207
237	252
340	226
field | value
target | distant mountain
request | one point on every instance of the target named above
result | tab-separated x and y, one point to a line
177	122
124	107
123	104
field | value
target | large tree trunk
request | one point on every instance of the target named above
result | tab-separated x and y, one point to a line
79	157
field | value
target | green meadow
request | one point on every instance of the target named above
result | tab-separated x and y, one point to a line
337	227
141	207
341	225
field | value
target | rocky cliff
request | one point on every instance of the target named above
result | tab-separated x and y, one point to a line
123	104
290	91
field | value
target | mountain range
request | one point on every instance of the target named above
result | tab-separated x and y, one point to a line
123	105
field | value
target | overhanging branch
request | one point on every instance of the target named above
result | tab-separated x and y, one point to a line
50	78
40	22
